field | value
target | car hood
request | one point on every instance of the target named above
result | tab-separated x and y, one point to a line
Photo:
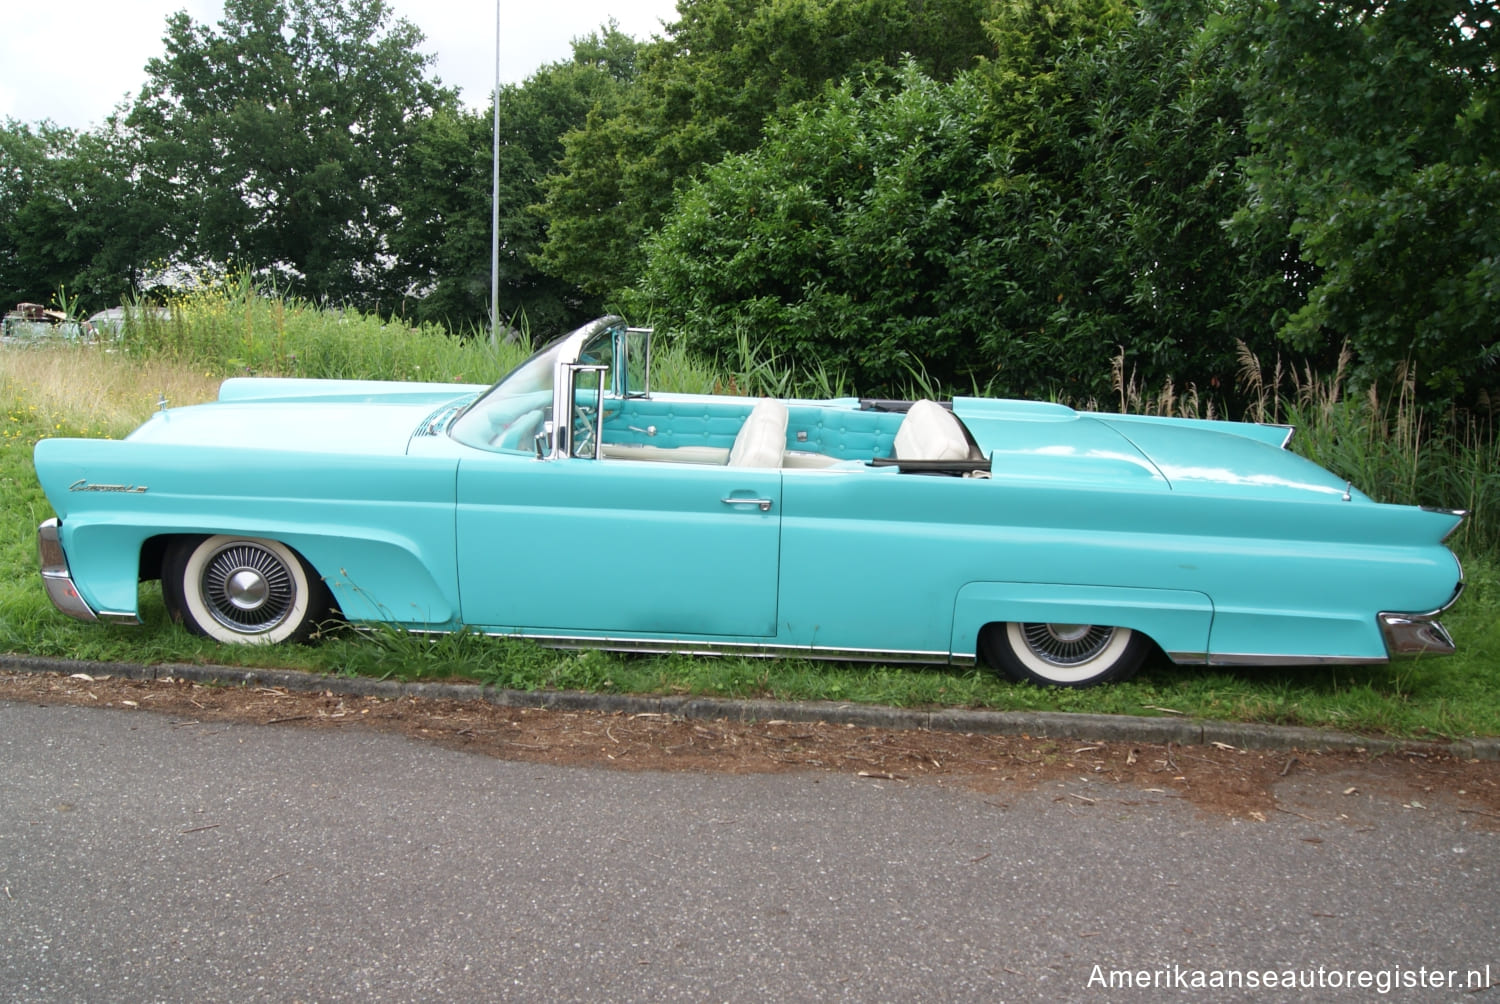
1053	443
326	426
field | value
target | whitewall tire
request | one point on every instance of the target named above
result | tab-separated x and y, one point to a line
1063	655
242	590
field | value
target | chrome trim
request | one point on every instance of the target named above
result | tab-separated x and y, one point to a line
683	646
1462	514
1417	634
56	575
765	504
645	391
1252	659
1291	430
84	485
600	372
561	445
1406	635
1066	645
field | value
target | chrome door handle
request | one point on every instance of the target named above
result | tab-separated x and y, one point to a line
765	504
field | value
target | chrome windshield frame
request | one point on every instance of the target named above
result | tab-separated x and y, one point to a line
563	353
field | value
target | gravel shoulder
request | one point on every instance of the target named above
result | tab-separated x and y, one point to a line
1218	778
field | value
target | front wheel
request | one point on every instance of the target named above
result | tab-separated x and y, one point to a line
1063	655
242	590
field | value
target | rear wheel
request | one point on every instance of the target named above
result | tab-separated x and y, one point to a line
1063	655
242	590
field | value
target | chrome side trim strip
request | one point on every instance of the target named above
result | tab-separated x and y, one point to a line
682	646
55	573
1251	659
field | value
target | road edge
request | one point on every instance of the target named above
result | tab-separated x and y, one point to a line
1037	724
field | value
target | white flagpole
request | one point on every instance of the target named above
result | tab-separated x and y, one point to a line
495	199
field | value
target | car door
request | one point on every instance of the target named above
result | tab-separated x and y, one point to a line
589	546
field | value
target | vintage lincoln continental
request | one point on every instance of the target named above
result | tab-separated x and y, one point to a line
572	505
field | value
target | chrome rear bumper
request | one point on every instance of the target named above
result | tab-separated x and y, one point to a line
56	575
1414	634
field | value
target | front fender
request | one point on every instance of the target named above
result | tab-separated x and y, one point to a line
379	530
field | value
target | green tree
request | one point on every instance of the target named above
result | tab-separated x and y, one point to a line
706	90
281	135
35	256
1376	130
443	242
73	213
1032	38
1113	198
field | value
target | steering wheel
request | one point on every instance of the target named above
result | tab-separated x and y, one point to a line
583	430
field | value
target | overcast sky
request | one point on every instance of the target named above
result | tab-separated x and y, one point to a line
73	61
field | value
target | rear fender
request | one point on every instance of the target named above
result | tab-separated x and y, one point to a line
1178	621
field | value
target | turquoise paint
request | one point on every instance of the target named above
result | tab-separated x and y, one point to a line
1205	536
580	545
380	535
1177	620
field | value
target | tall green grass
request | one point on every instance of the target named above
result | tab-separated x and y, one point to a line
232	330
106	389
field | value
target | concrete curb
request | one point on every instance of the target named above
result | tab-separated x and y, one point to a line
1041	724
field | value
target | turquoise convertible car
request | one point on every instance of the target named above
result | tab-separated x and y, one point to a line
573	505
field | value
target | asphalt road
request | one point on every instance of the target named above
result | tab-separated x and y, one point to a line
145	858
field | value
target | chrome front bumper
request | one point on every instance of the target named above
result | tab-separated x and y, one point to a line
56	576
1414	634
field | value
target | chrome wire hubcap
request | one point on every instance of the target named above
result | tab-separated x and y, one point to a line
247	588
1066	644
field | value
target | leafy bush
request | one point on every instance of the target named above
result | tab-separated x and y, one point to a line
842	240
925	229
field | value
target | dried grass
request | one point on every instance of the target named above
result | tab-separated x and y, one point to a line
93	388
1135	399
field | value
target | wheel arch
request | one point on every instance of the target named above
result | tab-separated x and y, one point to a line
370	575
1176	621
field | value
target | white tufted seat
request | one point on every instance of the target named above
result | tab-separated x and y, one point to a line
930	432
762	438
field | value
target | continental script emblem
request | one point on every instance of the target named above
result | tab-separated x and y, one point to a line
83	485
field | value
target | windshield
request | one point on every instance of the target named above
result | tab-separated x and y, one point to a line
511	414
